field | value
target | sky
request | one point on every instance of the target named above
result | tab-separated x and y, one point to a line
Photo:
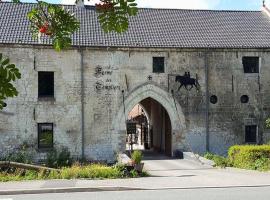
188	4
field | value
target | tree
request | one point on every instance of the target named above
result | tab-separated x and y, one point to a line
59	24
8	74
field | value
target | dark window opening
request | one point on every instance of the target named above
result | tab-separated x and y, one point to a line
158	64
45	84
251	134
244	99
251	64
213	99
45	136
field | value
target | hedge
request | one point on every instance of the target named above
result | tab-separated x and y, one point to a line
250	157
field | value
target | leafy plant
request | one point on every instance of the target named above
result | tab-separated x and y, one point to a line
250	156
137	156
134	173
55	22
59	24
220	161
113	14
58	160
22	154
8	74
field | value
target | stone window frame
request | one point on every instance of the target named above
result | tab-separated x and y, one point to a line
213	99
40	147
164	65
259	65
257	135
244	99
42	97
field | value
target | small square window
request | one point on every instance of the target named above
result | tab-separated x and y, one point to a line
158	64
251	64
251	134
45	135
45	84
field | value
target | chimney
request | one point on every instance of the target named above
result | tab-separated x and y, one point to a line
79	3
265	9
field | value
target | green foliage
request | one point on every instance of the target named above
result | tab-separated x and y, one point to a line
57	160
59	24
134	173
90	171
137	156
8	74
23	154
55	22
113	14
267	122
253	157
220	161
76	171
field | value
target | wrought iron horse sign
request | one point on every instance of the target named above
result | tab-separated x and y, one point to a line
187	81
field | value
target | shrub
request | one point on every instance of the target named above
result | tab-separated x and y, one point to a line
137	156
22	154
220	161
58	160
250	156
90	171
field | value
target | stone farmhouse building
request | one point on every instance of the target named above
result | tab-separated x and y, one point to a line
80	98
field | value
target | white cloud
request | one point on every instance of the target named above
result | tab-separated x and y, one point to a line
184	4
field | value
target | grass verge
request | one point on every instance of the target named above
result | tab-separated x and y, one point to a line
76	171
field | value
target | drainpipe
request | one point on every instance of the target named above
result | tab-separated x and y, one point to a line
82	101
206	97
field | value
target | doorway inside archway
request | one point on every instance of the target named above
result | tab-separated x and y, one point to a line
153	128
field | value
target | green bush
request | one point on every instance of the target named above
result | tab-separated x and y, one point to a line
137	156
58	160
250	156
22	154
220	161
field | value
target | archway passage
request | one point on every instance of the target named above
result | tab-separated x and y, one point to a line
165	100
153	127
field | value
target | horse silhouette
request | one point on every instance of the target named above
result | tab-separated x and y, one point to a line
186	80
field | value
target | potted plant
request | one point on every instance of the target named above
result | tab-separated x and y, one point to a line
136	158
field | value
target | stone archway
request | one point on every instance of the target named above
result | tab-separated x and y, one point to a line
172	107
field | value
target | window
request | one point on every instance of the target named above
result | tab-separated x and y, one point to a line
45	84
158	64
251	64
45	135
213	99
251	134
244	99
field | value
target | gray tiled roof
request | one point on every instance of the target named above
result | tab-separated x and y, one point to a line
151	28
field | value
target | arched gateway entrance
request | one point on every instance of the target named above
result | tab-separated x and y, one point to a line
153	127
168	121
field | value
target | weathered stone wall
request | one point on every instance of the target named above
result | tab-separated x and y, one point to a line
18	121
109	71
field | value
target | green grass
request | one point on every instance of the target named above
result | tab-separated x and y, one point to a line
76	171
220	161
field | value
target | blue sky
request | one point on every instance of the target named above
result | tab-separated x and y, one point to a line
191	4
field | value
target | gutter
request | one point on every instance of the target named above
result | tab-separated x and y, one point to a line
82	103
206	98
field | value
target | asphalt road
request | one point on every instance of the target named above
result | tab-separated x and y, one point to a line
248	193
